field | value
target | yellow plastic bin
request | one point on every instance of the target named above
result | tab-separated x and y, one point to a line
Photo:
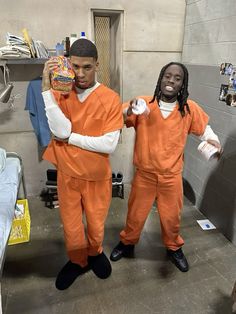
20	230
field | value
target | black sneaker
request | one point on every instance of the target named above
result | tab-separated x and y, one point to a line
68	274
178	258
114	178
119	177
122	250
100	265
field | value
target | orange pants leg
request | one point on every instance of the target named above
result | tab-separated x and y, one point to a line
142	196
169	203
92	197
96	198
71	212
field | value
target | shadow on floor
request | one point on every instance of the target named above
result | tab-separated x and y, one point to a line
223	305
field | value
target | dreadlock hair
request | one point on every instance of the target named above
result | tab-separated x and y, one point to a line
83	47
182	94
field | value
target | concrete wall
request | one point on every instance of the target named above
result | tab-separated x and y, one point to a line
209	36
152	36
210	40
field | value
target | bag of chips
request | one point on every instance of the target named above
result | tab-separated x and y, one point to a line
63	76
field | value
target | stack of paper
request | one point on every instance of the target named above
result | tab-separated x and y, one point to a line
205	224
40	50
11	52
15	48
37	48
15	40
23	47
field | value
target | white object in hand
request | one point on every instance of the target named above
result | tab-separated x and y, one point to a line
207	150
139	106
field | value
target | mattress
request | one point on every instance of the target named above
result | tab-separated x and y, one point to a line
10	179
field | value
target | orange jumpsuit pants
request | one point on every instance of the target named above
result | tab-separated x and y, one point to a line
78	197
168	190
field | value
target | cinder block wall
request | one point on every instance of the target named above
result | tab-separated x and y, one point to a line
213	183
210	40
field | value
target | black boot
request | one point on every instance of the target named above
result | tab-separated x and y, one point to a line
100	265
178	258
68	274
122	250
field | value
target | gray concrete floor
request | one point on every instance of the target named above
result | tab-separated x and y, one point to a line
148	283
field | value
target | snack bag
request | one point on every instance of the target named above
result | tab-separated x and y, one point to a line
62	77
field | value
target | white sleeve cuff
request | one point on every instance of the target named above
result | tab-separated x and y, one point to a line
209	135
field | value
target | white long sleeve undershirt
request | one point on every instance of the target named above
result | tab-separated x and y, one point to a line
61	127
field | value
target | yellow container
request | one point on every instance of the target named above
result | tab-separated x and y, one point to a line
20	230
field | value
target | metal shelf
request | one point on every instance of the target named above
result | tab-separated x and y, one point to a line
25	61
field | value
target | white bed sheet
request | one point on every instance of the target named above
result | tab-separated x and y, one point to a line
9	183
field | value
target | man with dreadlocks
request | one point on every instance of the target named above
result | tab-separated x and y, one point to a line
158	158
86	126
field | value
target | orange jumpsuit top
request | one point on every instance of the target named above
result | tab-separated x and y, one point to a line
99	113
160	142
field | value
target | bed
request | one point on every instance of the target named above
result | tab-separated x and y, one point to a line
11	179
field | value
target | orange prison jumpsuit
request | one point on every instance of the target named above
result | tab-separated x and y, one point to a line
158	157
84	177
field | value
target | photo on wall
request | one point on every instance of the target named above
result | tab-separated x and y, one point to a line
231	99
232	80
223	92
228	91
226	68
228	95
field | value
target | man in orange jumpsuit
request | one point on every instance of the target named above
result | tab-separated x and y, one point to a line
86	126
158	158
